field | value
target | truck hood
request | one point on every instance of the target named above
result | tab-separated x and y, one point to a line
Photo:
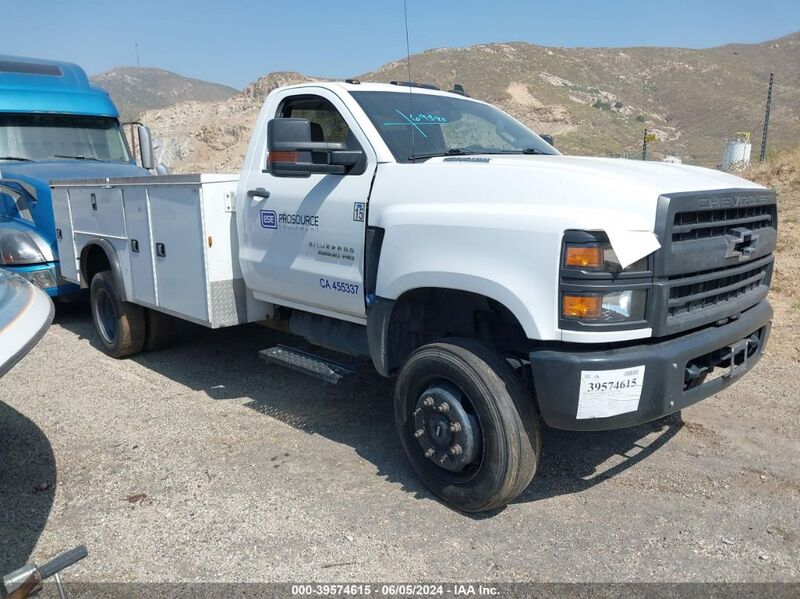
660	177
537	197
33	179
535	192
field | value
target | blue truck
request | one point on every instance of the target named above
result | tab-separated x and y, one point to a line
54	124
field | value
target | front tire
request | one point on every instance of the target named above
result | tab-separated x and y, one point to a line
466	424
119	325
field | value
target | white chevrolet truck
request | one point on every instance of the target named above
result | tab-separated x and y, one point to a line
498	282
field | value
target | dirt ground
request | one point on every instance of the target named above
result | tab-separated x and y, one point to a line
202	463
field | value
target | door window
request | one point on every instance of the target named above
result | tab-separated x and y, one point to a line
327	124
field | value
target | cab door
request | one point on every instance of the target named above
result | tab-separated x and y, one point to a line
303	237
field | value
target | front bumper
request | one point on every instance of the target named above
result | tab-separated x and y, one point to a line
45	276
674	371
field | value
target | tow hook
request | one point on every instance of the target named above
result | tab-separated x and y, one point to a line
746	347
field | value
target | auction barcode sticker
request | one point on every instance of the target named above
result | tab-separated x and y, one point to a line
607	393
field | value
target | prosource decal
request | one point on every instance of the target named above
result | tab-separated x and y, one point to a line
270	219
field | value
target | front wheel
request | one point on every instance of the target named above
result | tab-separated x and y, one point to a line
466	424
120	325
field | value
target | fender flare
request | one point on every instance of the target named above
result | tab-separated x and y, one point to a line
378	319
113	260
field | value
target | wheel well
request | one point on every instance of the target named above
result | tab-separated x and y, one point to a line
421	316
94	260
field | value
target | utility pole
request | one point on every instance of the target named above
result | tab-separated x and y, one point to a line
766	120
644	145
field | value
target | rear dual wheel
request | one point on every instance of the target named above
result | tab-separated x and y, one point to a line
160	330
467	425
120	325
125	328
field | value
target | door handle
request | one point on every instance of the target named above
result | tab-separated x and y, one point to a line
258	192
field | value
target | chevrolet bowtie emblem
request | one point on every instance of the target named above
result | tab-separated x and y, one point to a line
742	244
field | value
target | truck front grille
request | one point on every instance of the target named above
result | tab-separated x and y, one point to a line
708	289
716	258
703	224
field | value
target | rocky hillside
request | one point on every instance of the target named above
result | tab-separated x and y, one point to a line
599	100
212	136
594	100
137	89
782	173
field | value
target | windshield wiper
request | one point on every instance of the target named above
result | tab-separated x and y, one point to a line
77	157
450	152
521	151
20	158
463	152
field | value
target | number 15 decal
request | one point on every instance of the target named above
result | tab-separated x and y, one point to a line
359	211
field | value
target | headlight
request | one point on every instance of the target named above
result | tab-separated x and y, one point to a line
615	306
595	291
41	278
19	247
597	256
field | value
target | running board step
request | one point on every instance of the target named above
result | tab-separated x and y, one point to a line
321	368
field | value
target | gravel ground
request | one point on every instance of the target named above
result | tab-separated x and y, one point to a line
202	463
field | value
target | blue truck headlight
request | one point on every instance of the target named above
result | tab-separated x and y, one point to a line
18	248
42	278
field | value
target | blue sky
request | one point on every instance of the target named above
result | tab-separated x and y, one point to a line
236	41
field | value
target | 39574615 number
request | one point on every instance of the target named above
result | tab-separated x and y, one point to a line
614	385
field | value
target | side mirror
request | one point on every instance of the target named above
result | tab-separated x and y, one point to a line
145	148
291	153
548	138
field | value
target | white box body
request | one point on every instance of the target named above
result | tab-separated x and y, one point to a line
175	238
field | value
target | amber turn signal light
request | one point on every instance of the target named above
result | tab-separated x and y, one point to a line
582	306
581	256
283	156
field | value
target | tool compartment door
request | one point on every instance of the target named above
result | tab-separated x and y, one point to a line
109	211
177	245
140	253
97	211
65	241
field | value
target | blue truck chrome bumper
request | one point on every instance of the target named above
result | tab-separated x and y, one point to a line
678	371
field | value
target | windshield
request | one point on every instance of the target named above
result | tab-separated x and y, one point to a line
417	126
49	137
